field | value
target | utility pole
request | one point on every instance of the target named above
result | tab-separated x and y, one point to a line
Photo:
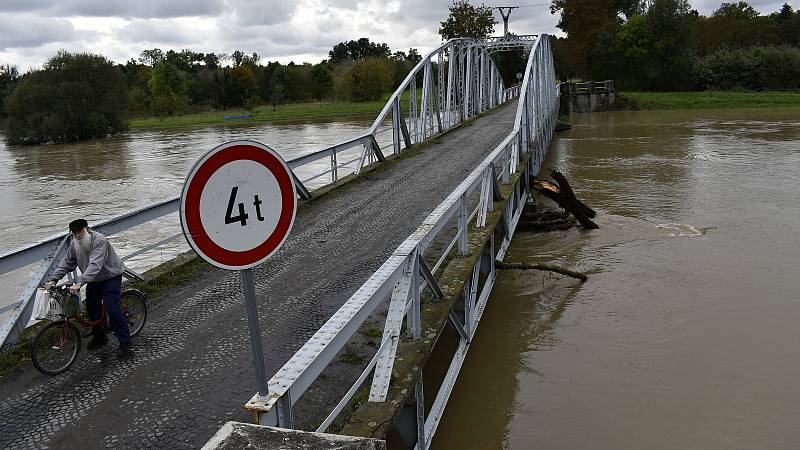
505	12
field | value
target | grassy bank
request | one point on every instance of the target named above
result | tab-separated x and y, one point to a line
709	100
265	113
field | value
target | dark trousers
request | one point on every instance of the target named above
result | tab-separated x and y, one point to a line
108	290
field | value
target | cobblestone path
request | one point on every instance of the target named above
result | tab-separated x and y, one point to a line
191	370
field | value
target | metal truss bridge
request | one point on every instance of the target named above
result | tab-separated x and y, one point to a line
435	278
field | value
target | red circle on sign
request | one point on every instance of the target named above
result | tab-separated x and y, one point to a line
190	204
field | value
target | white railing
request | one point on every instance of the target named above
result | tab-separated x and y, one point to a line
404	276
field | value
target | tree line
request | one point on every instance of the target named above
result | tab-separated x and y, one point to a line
77	96
667	45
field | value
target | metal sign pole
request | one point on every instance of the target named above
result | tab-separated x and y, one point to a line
255	331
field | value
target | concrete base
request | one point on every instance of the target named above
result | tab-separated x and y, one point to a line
237	435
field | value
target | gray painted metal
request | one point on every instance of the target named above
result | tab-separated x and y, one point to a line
255	330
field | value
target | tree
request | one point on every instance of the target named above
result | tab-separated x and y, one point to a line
8	76
151	57
370	78
74	97
736	11
626	8
321	81
168	89
633	48
242	87
466	20
671	26
588	23
352	51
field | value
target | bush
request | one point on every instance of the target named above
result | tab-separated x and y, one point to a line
751	68
75	97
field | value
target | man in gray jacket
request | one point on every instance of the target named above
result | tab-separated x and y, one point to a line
101	272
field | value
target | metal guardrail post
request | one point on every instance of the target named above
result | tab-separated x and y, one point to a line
463	222
284	410
450	87
467	82
414	314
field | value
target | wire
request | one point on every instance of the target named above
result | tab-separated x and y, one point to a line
520	6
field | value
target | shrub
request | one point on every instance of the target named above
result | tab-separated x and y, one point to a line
74	97
752	68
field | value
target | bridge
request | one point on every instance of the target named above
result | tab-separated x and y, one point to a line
394	246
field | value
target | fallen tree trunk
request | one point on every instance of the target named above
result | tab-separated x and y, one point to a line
561	192
542	266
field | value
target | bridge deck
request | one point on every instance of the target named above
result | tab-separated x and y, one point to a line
192	371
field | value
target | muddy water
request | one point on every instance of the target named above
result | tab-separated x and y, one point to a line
42	188
687	334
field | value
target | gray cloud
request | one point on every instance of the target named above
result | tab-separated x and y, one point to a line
157	31
263	12
24	31
116	8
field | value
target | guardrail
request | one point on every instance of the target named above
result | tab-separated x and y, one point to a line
458	81
403	277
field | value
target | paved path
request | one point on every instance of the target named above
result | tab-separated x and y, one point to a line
192	370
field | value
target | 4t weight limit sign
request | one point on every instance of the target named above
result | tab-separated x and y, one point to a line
238	204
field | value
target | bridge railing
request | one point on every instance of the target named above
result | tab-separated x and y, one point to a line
452	83
414	265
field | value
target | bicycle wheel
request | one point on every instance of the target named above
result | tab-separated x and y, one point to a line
133	304
55	347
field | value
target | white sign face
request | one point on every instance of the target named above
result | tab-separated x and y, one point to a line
238	204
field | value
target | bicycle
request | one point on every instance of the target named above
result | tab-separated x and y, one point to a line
56	345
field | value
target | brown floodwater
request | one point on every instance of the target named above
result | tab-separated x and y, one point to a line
687	333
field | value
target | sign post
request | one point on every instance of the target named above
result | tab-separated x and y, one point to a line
237	207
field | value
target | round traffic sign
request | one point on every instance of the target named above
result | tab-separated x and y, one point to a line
238	204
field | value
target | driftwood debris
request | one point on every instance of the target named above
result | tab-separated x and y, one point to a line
547	220
541	266
561	192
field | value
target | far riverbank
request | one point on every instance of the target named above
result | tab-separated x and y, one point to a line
295	112
706	100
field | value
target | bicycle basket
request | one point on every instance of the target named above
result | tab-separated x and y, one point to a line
71	305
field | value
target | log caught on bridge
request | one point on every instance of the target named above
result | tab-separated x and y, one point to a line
561	192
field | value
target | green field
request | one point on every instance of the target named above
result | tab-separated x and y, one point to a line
265	113
712	99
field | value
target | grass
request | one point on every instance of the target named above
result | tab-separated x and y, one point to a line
712	99
265	113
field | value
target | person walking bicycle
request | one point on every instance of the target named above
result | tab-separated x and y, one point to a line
101	272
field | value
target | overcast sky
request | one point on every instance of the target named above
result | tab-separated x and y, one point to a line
301	31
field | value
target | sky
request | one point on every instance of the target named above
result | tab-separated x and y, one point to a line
31	31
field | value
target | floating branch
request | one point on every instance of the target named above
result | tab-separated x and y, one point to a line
540	266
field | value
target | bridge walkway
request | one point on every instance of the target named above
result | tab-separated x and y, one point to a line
191	370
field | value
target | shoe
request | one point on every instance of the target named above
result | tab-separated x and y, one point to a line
96	342
124	349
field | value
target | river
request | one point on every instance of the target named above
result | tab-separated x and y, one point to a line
45	187
686	333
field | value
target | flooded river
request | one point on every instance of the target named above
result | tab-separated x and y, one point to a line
44	187
687	334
